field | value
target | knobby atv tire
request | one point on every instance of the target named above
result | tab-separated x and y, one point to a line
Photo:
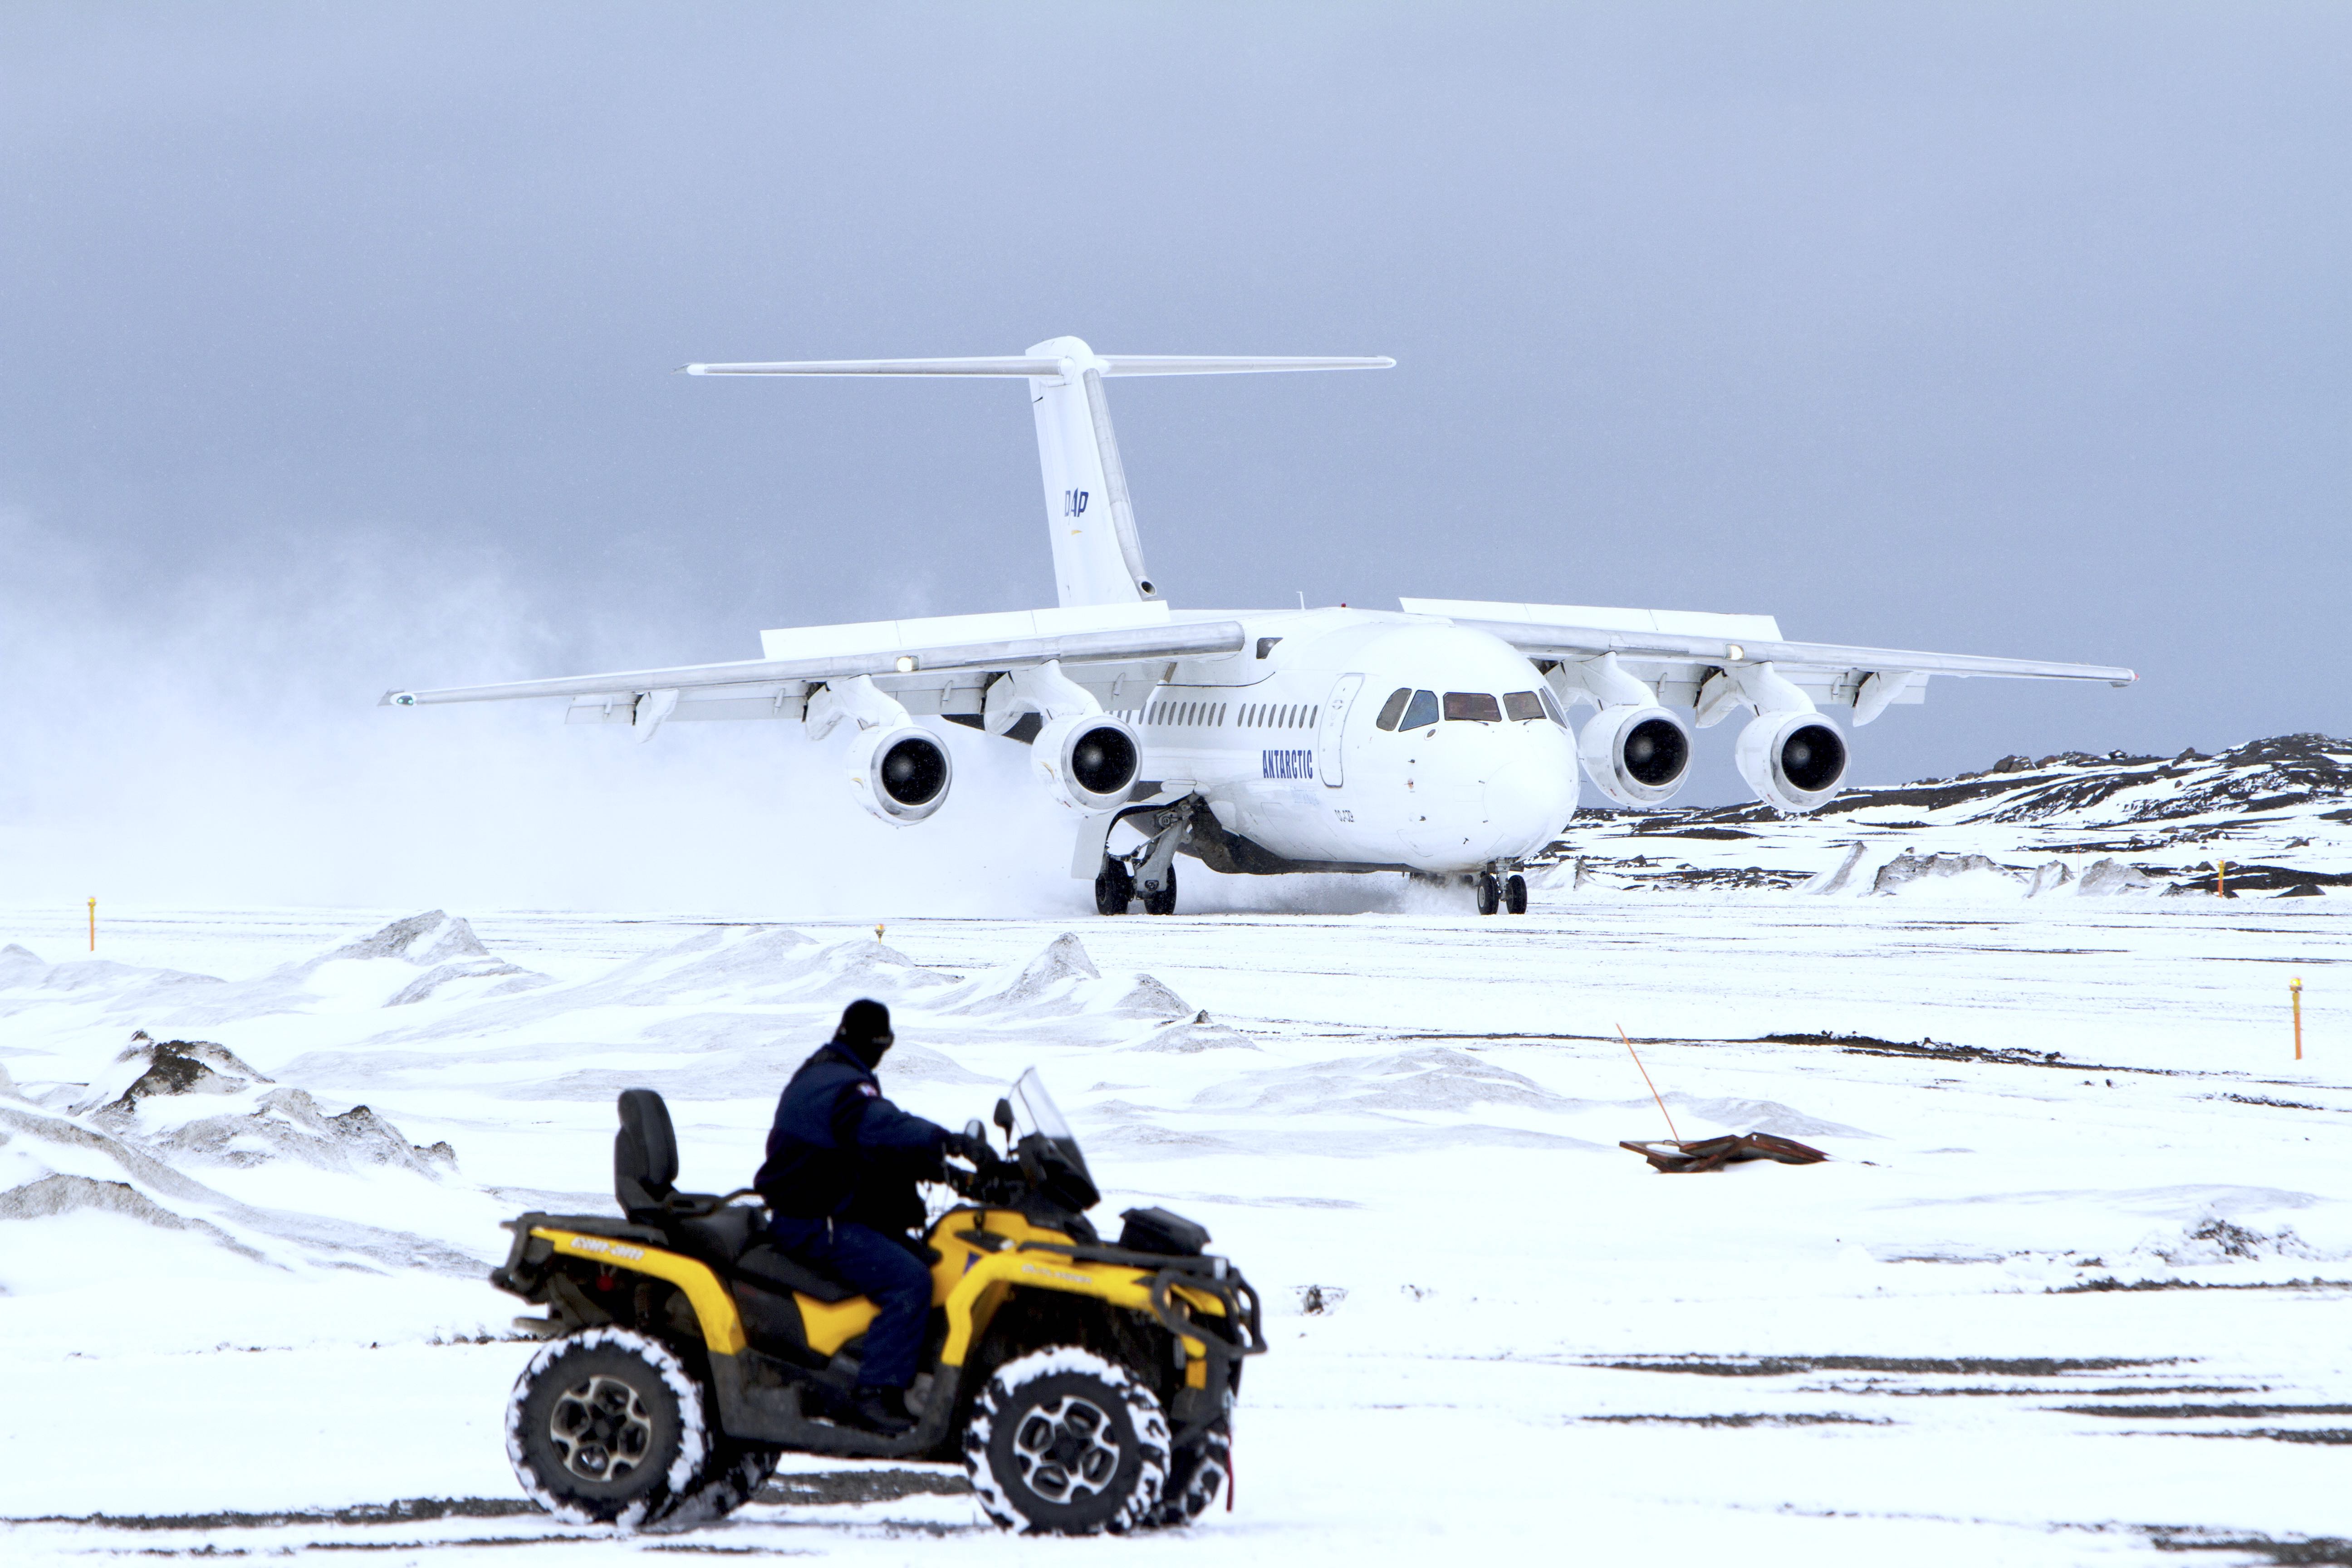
1063	1442
734	1475
608	1426
1199	1475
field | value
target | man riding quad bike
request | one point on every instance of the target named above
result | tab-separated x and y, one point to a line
1086	1386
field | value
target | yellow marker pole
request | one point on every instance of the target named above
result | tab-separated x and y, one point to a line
877	930
2294	989
2220	878
93	925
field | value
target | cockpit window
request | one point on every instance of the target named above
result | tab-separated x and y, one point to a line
1479	707
1393	709
1522	705
1551	707
1421	710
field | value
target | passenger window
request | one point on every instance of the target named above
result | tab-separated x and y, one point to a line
1522	705
1478	707
1421	710
1393	709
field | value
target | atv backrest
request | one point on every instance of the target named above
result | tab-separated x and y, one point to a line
645	1154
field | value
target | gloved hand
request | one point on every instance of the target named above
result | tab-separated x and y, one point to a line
974	1152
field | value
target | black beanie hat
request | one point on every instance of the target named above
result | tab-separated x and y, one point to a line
865	1029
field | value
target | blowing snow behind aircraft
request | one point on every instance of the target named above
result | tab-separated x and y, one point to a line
1433	741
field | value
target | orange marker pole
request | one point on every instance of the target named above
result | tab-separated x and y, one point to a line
2294	989
1654	1087
2220	878
93	925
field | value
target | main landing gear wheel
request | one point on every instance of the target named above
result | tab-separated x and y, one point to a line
1063	1442
1114	888
1162	903
1514	893
1490	893
606	1427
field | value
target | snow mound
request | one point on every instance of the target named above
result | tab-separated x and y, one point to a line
1762	1116
53	1169
1189	1037
2111	875
149	1067
1062	982
164	1095
1439	1078
432	938
1908	868
288	1124
56	1195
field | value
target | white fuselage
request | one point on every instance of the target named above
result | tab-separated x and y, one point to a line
1288	752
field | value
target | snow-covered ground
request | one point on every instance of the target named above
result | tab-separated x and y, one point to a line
2074	1285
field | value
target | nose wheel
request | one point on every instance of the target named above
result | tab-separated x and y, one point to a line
1502	893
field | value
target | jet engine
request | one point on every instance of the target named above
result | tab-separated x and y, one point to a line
1794	762
1637	755
899	774
1088	761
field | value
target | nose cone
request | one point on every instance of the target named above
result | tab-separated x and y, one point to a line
1497	792
1530	796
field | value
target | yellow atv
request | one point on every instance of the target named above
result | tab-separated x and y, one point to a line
1086	1386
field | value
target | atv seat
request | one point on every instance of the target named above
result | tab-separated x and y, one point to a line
766	1265
729	1237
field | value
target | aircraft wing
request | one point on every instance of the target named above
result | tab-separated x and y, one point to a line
1677	650
931	671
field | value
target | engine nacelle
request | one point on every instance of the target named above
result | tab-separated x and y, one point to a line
1794	762
1088	761
901	775
1637	755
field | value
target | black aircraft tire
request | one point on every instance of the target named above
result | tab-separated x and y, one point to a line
1515	894
1199	1474
1162	903
1063	1442
608	1426
1114	888
1490	894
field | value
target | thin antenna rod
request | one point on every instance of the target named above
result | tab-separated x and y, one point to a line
1654	1087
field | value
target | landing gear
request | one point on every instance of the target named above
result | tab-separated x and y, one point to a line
1148	872
1500	890
1114	887
1162	903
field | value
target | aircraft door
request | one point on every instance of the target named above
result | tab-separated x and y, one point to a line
1334	729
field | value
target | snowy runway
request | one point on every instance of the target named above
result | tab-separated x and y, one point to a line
2034	1310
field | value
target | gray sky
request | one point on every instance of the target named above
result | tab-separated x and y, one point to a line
346	333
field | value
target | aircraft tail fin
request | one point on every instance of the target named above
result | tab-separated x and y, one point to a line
1098	552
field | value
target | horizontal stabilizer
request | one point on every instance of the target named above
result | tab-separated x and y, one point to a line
1042	368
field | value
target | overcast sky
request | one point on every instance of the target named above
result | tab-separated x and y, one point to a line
337	347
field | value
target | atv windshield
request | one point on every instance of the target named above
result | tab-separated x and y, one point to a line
1033	1111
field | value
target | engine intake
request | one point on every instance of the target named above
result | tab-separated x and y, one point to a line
1088	762
1794	762
901	775
1638	756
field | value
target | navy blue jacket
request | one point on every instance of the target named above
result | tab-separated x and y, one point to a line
840	1150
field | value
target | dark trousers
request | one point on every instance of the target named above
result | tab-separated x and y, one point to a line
879	1268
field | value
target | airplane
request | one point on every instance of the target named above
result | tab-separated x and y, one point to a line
1434	740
